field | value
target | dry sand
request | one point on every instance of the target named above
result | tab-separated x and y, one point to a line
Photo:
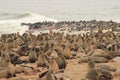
74	70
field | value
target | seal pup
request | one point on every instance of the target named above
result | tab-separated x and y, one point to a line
61	61
2	60
42	61
14	57
11	68
53	66
4	56
67	52
91	64
8	71
32	56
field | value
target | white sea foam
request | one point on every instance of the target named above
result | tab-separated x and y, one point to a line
13	24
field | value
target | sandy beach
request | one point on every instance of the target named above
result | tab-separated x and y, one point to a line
48	45
59	39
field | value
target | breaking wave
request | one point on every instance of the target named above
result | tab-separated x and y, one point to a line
11	23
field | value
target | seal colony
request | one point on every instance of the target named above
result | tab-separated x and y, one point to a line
75	25
47	56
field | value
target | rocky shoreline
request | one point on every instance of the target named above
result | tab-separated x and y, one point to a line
75	25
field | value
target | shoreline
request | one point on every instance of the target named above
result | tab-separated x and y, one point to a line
82	25
72	27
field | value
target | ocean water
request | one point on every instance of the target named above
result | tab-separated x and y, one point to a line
14	12
12	23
